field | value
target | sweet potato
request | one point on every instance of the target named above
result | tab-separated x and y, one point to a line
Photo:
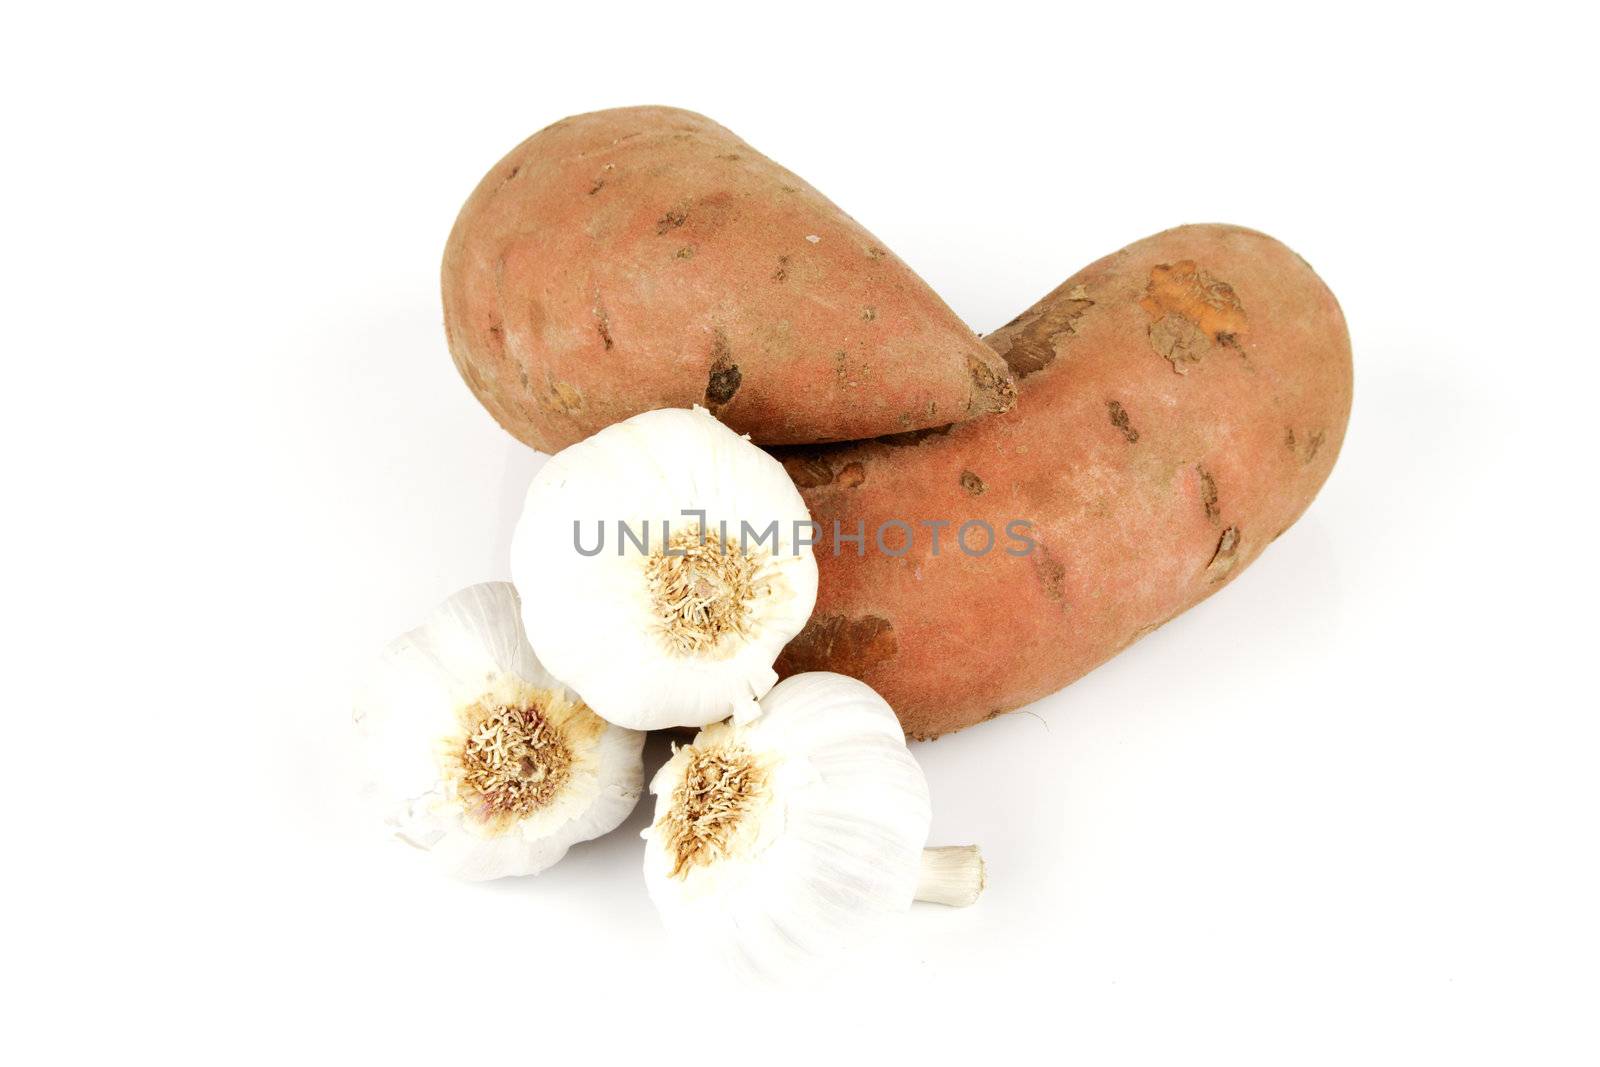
646	257
1180	403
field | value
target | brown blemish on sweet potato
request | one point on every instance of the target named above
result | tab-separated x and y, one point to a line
837	643
723	383
1226	555
1190	311
725	377
1178	341
1313	443
994	392
602	325
851	475
915	437
561	398
1032	345
1208	495
972	483
808	470
1119	419
670	221
783	269
709	215
1051	574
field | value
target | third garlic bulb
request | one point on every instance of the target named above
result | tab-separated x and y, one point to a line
785	836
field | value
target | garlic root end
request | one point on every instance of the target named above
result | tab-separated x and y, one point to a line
953	875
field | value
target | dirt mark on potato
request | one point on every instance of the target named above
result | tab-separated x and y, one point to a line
839	643
671	221
972	483
1119	419
1191	312
1208	495
725	377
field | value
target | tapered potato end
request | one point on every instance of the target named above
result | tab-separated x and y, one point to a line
640	258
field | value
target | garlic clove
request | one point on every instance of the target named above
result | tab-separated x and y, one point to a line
781	841
478	756
683	620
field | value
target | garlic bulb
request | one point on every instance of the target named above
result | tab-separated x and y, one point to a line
782	838
676	563
479	756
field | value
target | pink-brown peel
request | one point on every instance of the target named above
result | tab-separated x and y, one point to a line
1180	404
639	258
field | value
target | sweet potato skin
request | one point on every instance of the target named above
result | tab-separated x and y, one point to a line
1180	404
638	258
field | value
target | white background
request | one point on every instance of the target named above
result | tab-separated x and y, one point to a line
1344	812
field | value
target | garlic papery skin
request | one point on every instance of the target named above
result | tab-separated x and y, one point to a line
674	622
478	756
784	838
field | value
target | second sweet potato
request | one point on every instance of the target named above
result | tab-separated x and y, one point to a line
1181	402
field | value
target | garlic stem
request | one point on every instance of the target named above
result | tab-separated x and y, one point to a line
953	875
